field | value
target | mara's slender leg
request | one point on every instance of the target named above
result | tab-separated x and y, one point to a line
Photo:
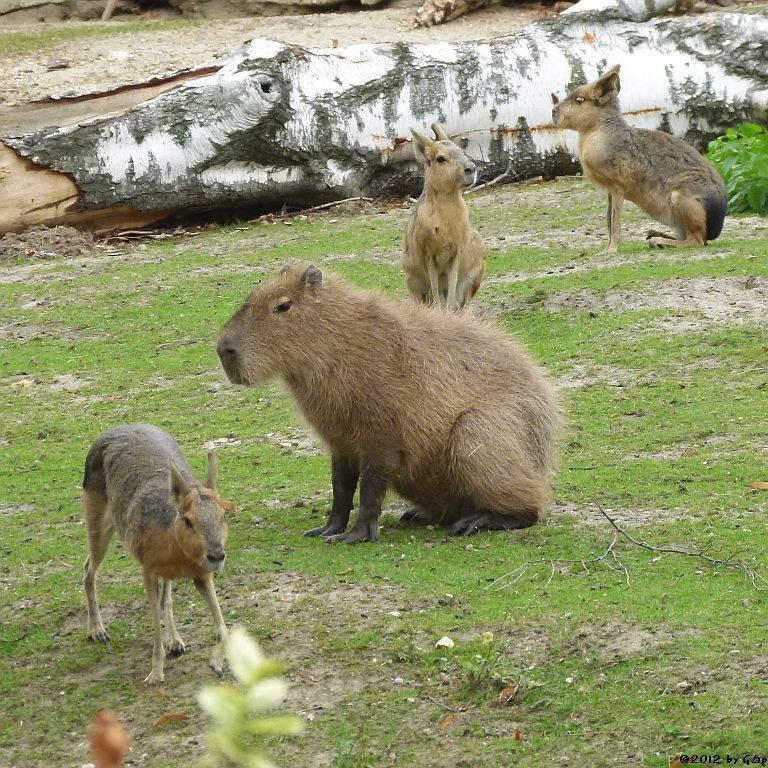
434	284
615	202
152	588
207	589
453	280
98	521
174	645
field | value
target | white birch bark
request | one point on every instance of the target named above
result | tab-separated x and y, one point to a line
279	124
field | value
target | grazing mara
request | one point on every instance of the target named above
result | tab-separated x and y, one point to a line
662	174
441	407
138	484
443	258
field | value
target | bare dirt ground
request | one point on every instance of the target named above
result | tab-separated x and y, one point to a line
102	62
88	64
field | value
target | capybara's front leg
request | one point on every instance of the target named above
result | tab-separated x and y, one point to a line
344	476
373	487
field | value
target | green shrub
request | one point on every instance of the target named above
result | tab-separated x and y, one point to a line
741	157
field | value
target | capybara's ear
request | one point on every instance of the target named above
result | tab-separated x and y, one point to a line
555	100
312	277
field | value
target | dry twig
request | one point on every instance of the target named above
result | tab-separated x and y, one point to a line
610	558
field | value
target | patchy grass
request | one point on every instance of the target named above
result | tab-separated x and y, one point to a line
667	425
23	42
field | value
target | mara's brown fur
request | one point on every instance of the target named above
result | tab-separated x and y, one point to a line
440	406
138	484
443	258
662	174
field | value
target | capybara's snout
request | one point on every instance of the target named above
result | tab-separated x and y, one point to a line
227	350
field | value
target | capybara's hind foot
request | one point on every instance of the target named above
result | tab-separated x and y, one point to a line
416	516
491	521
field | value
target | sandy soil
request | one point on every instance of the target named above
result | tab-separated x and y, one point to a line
94	63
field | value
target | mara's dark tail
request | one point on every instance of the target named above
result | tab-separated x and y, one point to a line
715	206
93	477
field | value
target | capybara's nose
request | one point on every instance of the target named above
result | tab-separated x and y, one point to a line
226	351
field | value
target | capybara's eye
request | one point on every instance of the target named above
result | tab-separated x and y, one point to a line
187	522
284	307
441	159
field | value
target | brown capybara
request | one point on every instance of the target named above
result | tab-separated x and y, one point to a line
443	408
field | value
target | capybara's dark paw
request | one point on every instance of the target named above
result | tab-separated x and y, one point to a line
329	529
415	517
466	526
492	521
357	534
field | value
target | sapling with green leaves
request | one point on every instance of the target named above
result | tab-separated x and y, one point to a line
240	712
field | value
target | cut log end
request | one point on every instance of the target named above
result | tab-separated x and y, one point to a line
34	195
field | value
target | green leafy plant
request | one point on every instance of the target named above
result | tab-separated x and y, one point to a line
239	712
741	157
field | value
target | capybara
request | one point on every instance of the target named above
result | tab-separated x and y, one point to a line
443	408
138	484
662	174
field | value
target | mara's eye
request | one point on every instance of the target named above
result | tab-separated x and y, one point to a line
284	307
441	159
579	99
187	522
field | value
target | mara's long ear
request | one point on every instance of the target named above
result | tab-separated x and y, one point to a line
421	145
607	85
213	471
179	487
312	278
439	132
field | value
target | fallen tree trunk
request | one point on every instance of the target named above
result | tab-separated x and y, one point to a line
275	124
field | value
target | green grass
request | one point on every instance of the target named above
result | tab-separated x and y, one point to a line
666	426
24	42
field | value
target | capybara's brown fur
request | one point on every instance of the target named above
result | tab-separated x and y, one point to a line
662	174
138	485
443	257
440	406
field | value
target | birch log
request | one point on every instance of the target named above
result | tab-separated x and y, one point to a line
275	124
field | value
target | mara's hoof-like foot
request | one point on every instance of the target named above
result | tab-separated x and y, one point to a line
657	242
174	647
356	535
155	677
98	636
217	665
489	521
